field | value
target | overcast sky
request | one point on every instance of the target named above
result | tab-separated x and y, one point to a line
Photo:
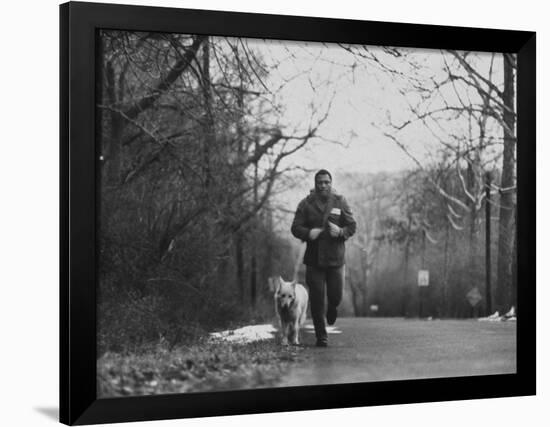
362	100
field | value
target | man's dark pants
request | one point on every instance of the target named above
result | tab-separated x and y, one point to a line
316	280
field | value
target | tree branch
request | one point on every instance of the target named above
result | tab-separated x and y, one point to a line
179	67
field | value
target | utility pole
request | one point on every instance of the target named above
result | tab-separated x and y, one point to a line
421	290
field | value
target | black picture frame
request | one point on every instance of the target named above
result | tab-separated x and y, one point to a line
79	25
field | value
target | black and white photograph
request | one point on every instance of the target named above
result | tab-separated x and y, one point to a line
274	213
279	213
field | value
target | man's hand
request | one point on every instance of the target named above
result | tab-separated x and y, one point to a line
334	230
314	233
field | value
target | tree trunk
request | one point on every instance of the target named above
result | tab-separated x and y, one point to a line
355	297
365	293
269	253
445	284
405	289
506	213
209	134
241	154
253	261
420	291
488	289
113	158
514	290
472	235
405	292
364	280
239	258
253	278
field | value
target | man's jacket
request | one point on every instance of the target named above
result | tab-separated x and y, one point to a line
325	251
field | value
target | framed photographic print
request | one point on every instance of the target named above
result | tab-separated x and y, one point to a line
266	213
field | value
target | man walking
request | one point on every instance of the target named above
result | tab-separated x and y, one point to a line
324	221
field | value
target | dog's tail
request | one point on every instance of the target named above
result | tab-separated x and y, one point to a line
298	262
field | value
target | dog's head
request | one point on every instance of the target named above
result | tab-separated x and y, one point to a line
285	292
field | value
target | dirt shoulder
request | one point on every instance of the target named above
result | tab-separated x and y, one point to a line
203	366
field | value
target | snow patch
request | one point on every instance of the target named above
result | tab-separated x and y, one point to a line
253	333
246	334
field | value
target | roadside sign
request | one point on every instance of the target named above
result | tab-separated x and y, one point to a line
423	277
474	296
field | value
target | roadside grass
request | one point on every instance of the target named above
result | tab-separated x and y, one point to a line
205	365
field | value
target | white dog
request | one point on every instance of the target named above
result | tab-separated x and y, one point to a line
291	307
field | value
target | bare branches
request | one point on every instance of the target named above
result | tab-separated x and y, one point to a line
440	189
465	189
454	224
475	75
461	107
179	67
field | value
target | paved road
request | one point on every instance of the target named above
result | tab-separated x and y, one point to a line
381	349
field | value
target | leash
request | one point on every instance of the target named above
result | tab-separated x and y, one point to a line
299	260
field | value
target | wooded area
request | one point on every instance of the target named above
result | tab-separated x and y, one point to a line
197	161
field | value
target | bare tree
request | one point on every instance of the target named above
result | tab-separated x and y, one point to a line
192	149
506	259
461	106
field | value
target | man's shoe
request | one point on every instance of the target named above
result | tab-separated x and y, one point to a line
321	343
331	315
